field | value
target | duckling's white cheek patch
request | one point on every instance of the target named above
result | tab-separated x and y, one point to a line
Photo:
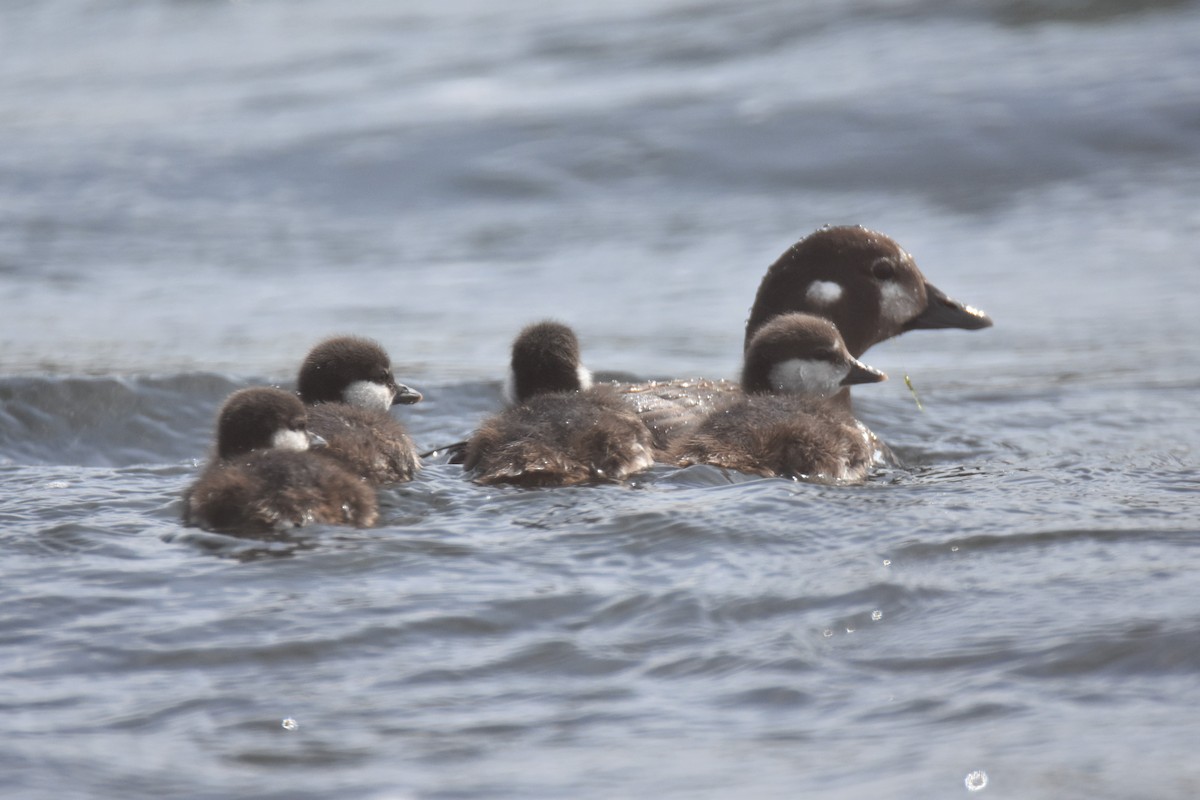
585	377
823	293
897	303
289	440
369	395
805	376
510	387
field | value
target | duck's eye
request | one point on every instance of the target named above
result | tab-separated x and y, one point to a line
883	269
300	425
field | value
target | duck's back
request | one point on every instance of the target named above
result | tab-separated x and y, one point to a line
561	439
272	489
371	444
672	409
782	435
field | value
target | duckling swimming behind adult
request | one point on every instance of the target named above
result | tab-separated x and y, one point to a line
788	423
559	430
264	476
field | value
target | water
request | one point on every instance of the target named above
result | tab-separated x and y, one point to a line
193	193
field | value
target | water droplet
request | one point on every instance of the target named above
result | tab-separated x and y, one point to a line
976	780
954	548
887	562
290	724
827	633
876	615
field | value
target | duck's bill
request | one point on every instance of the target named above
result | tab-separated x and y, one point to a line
861	373
406	395
946	312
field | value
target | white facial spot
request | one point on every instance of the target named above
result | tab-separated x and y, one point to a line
807	376
585	377
369	395
823	293
897	303
285	439
510	388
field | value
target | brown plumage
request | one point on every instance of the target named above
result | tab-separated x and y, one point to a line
785	436
560	439
271	489
787	422
348	384
371	444
263	477
560	431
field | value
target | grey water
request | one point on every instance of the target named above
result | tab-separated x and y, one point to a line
193	192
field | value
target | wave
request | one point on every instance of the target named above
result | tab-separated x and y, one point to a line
112	422
124	421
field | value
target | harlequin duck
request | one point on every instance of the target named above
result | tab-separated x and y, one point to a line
858	278
264	477
559	430
787	422
348	385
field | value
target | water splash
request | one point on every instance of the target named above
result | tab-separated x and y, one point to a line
976	781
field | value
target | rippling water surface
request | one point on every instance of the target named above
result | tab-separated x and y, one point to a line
193	193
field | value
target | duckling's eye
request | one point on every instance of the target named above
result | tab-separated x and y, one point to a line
883	269
299	425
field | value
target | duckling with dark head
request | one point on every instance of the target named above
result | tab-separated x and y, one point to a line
559	430
788	422
348	385
264	477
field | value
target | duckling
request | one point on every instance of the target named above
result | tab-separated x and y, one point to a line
559	430
347	383
787	422
264	477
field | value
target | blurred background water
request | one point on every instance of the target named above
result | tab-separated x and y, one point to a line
192	193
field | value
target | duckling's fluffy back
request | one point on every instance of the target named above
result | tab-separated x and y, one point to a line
561	439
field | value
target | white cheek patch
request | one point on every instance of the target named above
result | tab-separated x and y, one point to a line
510	388
807	376
897	303
285	439
823	293
585	377
368	395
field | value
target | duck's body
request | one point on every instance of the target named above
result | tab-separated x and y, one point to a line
264	477
783	436
787	421
560	439
371	444
347	383
273	489
560	431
